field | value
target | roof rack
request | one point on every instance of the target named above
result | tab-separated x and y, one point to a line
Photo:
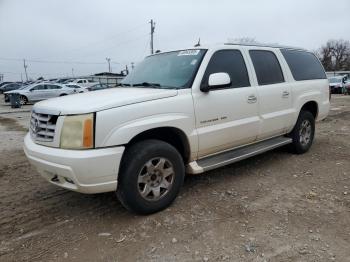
266	45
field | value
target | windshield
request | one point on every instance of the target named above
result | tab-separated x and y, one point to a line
334	80
172	70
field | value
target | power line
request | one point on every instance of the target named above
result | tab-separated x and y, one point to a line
74	62
117	44
50	61
108	38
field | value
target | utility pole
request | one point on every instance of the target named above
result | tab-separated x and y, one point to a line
72	72
25	68
109	64
152	32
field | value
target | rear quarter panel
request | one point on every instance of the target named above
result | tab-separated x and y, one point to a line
310	90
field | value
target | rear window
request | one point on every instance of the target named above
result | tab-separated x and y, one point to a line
267	68
303	65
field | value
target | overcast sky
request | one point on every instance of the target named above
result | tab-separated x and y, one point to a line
58	35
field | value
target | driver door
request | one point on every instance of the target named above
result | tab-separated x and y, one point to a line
226	117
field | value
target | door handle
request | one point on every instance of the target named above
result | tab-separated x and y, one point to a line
285	94
252	99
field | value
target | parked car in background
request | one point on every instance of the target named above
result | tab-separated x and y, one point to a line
81	82
98	87
10	87
68	81
41	91
336	84
347	87
78	88
3	83
63	80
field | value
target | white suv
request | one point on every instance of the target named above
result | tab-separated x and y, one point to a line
178	112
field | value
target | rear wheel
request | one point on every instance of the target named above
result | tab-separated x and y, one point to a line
151	175
303	132
23	100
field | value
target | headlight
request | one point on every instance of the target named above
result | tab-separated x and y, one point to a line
78	132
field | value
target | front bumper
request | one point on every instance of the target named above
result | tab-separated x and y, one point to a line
85	171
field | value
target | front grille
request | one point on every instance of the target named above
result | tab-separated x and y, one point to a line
42	126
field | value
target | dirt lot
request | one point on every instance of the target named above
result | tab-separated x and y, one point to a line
273	207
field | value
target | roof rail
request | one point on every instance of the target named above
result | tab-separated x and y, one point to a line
266	45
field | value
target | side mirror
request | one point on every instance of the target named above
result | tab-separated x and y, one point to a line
31	90
217	80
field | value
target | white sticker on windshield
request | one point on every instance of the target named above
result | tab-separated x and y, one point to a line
194	61
188	52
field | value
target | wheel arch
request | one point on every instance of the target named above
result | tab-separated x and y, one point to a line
172	135
25	97
311	106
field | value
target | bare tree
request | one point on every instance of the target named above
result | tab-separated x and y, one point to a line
335	55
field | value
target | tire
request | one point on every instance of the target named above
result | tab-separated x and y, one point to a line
63	94
303	133
142	178
23	100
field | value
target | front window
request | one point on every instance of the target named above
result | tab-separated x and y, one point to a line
172	70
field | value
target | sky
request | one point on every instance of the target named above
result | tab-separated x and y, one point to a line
60	38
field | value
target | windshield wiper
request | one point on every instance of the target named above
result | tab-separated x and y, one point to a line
147	84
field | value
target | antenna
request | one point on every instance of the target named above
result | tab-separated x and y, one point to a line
199	43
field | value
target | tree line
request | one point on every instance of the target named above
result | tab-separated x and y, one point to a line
335	55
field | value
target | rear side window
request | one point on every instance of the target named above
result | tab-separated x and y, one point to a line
267	68
231	62
303	65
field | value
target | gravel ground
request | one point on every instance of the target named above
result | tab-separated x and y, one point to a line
273	207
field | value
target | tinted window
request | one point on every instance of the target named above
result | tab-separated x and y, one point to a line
38	87
53	87
267	68
304	65
231	62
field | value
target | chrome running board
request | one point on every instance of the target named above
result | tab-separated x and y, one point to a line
235	155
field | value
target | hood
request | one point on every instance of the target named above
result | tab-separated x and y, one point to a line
102	99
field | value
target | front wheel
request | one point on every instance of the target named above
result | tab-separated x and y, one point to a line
303	133
150	178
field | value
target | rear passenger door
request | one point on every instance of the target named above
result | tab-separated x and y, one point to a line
54	91
226	117
274	93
